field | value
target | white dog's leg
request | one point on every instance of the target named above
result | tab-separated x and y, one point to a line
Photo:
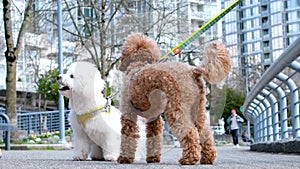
111	146
96	153
81	141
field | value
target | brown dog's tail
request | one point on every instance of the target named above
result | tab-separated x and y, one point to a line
216	63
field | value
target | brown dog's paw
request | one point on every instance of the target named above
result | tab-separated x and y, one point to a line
125	160
189	160
206	161
153	159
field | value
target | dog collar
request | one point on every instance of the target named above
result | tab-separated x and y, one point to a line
83	118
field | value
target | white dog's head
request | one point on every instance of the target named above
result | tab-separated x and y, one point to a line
82	80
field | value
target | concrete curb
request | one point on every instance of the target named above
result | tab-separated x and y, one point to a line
38	147
286	146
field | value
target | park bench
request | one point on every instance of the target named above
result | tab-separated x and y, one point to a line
6	127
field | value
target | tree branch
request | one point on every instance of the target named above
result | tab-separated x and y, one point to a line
22	30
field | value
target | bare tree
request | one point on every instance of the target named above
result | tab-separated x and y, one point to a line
92	22
11	55
101	26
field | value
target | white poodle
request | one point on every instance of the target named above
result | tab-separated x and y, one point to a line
95	123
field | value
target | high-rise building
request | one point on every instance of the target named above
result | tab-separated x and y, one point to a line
258	31
168	21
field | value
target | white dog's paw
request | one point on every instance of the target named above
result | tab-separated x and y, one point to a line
110	157
80	157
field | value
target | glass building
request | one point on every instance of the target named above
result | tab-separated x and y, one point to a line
258	31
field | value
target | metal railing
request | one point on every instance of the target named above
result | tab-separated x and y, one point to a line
272	106
39	122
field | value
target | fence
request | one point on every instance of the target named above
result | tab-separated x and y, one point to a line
39	122
272	106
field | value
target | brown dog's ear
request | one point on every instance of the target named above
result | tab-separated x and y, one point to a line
124	64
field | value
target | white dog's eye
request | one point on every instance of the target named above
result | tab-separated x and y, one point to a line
72	76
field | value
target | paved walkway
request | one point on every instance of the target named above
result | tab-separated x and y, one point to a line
227	157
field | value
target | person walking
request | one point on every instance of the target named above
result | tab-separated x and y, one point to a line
234	121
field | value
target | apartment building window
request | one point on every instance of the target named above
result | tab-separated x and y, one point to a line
243	50
256	10
266	56
293	28
276	18
264	20
241	26
230	28
233	50
276	6
249	47
264	8
247	2
231	39
293	15
293	3
249	36
257	46
248	24
276	31
256	34
248	12
86	12
265	32
256	22
231	16
266	43
242	37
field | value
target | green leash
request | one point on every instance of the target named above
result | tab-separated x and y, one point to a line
176	50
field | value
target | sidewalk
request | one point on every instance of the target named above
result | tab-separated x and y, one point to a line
227	157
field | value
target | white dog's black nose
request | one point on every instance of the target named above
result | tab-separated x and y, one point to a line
58	78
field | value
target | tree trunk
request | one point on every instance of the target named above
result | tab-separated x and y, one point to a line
11	59
11	55
11	94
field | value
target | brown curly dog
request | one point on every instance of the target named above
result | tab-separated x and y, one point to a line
173	88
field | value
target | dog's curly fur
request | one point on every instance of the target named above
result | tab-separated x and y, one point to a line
177	89
97	132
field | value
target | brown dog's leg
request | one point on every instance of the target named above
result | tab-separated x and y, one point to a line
187	135
129	138
208	151
154	131
191	148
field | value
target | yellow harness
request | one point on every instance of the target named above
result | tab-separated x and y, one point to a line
83	118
